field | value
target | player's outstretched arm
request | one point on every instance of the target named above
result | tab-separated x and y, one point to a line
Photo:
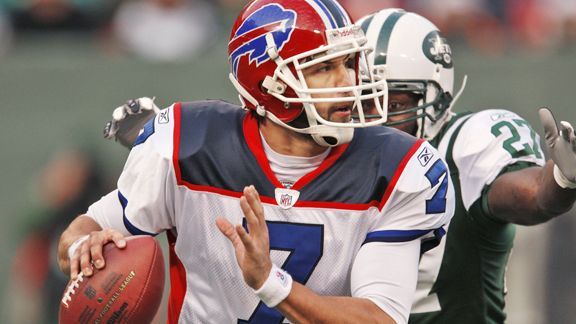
80	246
275	287
535	195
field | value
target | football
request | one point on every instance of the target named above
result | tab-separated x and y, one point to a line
127	290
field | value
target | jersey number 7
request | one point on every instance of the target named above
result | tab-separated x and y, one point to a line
437	204
305	244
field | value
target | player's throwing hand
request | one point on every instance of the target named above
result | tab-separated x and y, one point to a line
86	252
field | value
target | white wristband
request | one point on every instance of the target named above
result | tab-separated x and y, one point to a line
561	180
276	288
74	246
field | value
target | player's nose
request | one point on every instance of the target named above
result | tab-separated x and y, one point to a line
345	76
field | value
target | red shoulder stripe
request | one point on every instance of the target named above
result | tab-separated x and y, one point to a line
399	172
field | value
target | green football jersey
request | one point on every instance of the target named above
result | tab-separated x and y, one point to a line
463	279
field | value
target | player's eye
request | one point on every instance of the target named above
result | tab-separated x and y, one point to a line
350	63
324	67
396	105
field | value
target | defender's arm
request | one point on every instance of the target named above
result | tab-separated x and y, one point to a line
535	195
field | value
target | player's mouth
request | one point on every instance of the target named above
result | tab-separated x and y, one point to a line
341	112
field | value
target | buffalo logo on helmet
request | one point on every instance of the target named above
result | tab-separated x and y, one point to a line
250	38
437	49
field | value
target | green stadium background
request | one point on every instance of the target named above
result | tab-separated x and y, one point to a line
58	92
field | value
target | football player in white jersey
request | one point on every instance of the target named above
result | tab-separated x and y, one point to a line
495	160
286	210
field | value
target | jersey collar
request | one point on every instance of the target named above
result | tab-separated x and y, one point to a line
254	142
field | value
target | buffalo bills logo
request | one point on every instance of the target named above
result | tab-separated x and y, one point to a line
250	38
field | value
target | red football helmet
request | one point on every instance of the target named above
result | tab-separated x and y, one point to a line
272	41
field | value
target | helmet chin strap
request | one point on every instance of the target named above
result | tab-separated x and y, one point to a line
333	136
324	135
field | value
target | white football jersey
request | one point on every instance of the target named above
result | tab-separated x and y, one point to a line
464	276
487	143
383	191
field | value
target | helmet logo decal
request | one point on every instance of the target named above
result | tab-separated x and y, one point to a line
251	35
437	50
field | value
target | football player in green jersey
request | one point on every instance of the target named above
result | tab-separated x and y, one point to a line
495	160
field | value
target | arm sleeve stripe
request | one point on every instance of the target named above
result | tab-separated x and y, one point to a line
432	242
129	226
395	235
405	236
391	236
147	132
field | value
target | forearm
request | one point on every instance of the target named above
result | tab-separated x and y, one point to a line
81	226
552	199
305	306
530	196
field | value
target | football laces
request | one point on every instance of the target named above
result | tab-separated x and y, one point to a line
71	290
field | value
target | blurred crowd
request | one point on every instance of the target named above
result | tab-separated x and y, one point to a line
172	30
493	27
67	184
155	30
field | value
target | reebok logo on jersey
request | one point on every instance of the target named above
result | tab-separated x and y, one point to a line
425	156
498	116
163	117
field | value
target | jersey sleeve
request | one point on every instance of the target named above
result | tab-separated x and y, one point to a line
416	209
419	200
143	203
487	143
390	287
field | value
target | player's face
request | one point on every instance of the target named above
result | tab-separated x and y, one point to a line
398	101
338	72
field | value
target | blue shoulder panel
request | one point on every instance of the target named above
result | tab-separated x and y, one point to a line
213	152
364	171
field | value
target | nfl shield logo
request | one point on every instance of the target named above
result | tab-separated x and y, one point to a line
286	198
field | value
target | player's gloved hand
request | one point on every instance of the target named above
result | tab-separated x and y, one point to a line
128	120
562	146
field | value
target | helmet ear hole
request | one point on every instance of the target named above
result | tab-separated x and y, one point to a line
332	141
443	102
